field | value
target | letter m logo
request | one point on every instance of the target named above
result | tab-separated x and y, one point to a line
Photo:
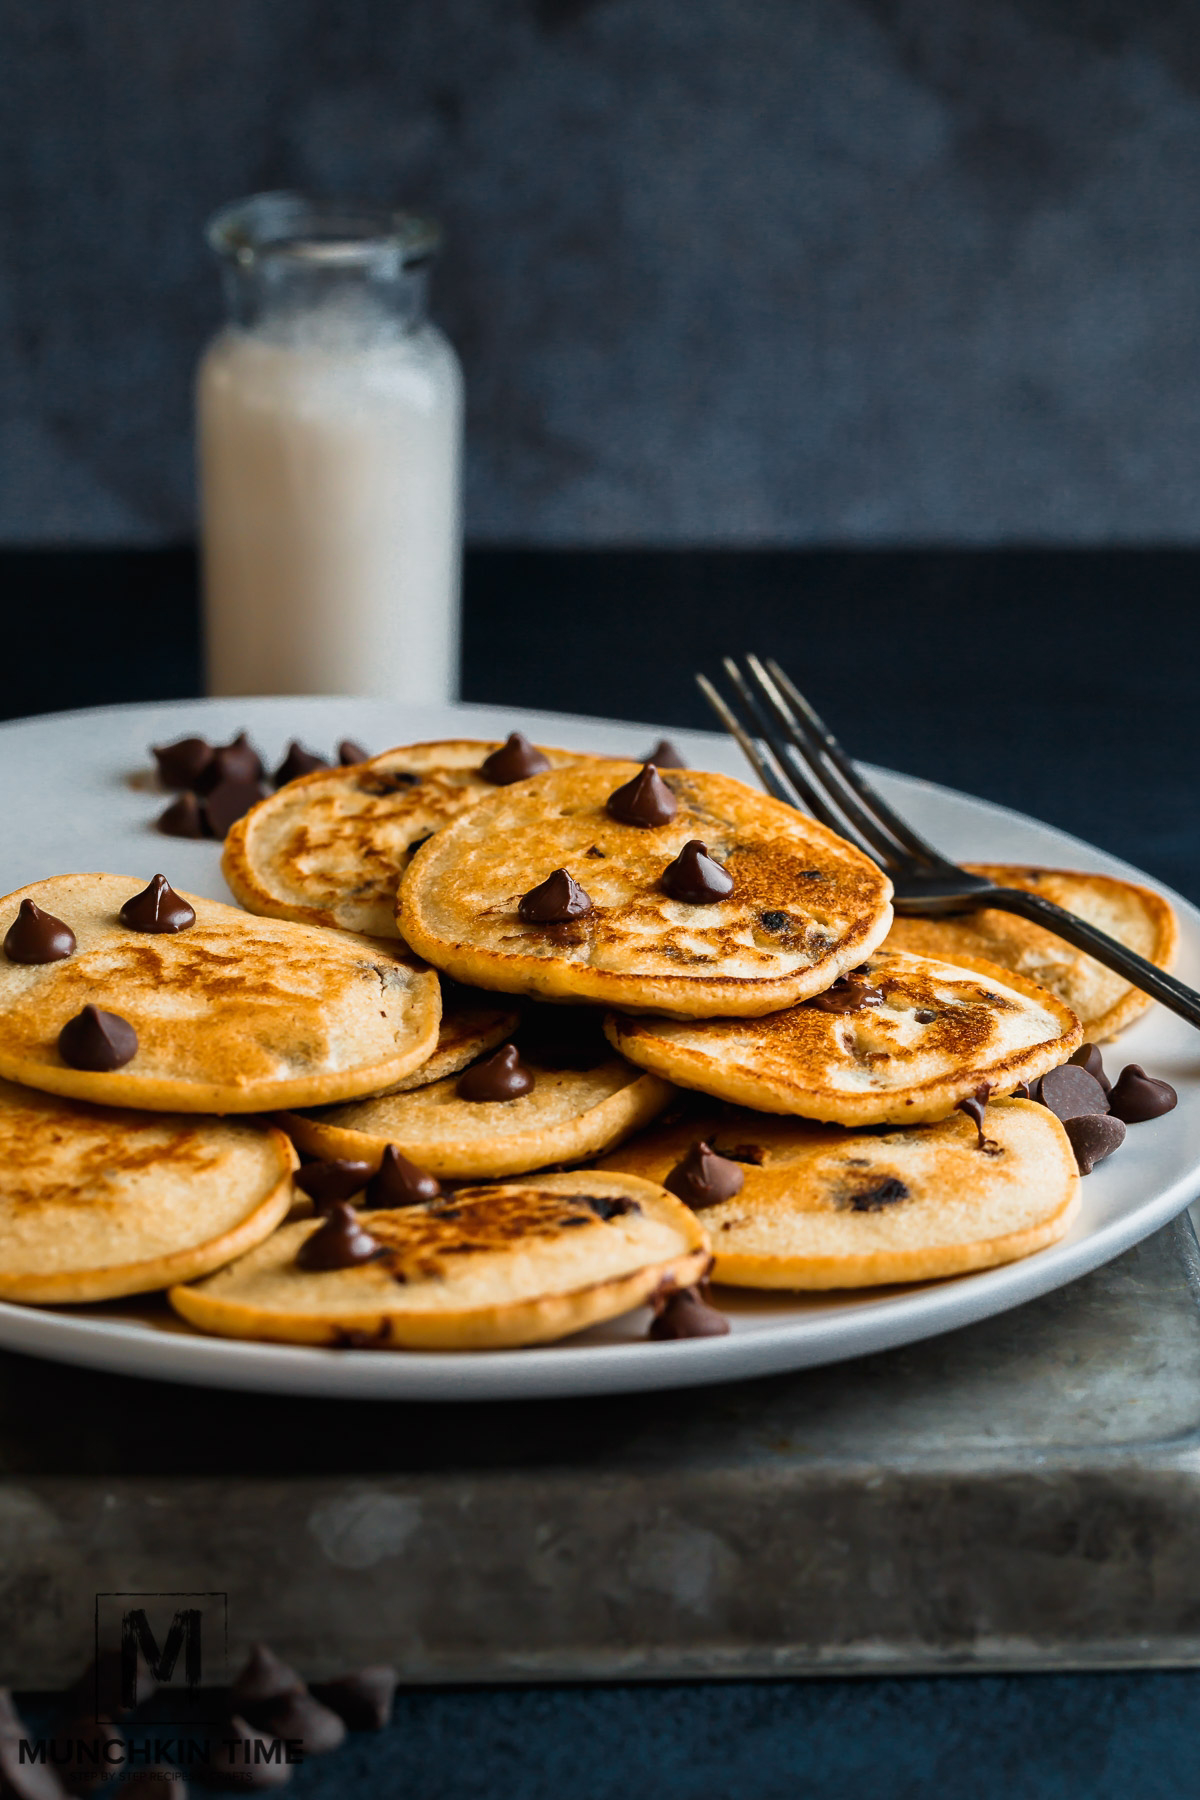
136	1634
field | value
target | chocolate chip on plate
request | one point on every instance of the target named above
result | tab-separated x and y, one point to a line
1093	1137
695	877
684	1314
184	818
37	937
502	1076
665	756
363	1699
297	762
229	802
183	763
158	908
263	1676
703	1178
398	1182
327	1182
349	753
1070	1092
516	760
1137	1096
646	801
98	1041
340	1243
1088	1057
554	901
237	760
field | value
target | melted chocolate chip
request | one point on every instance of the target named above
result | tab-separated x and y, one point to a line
874	1199
1088	1057
349	753
99	1041
696	878
184	818
1137	1096
363	1700
158	908
554	901
302	1716
380	784
236	761
327	1182
263	1677
1093	1137
847	994
975	1105
665	756
228	802
774	921
607	1206
340	1243
646	801
37	937
500	1077
398	1182
925	1016
297	762
703	1178
1070	1091
1022	1091
184	763
685	1314
516	760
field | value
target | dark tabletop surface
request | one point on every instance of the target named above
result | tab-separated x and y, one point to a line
1061	683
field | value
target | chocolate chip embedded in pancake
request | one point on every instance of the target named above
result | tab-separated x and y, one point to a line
329	848
471	1023
828	1208
919	1037
805	905
490	1266
96	1202
567	1114
235	1014
1104	1003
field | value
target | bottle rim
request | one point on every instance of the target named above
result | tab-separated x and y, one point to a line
319	232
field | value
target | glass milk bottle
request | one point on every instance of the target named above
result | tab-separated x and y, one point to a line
329	417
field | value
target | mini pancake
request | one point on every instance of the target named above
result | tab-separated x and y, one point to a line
487	1268
471	1023
932	1035
568	1114
1105	1004
236	1014
328	849
97	1202
825	1208
805	904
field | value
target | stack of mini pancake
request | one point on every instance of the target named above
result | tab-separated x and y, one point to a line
556	1036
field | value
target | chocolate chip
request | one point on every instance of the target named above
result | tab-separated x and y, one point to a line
99	1041
925	1016
398	1182
184	818
297	762
774	921
500	1077
381	785
1093	1137
350	753
1022	1091
79	1753
340	1243
974	1106
235	761
515	760
703	1178
1088	1057
157	908
37	937
886	1193
228	803
183	763
241	1757
1070	1092
303	1717
847	994
695	877
607	1206
554	901
1137	1096
263	1676
327	1182
684	1314
646	801
665	756
363	1700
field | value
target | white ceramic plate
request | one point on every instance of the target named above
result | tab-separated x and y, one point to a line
79	796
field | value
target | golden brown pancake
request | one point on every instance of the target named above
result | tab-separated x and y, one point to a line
805	904
328	849
570	1114
96	1202
826	1208
236	1014
926	1035
1104	1003
471	1023
490	1267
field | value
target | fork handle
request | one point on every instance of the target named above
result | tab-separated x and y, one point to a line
1141	974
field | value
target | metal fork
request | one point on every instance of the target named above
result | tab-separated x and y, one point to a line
798	759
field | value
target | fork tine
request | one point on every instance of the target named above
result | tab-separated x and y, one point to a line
811	798
774	779
812	726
